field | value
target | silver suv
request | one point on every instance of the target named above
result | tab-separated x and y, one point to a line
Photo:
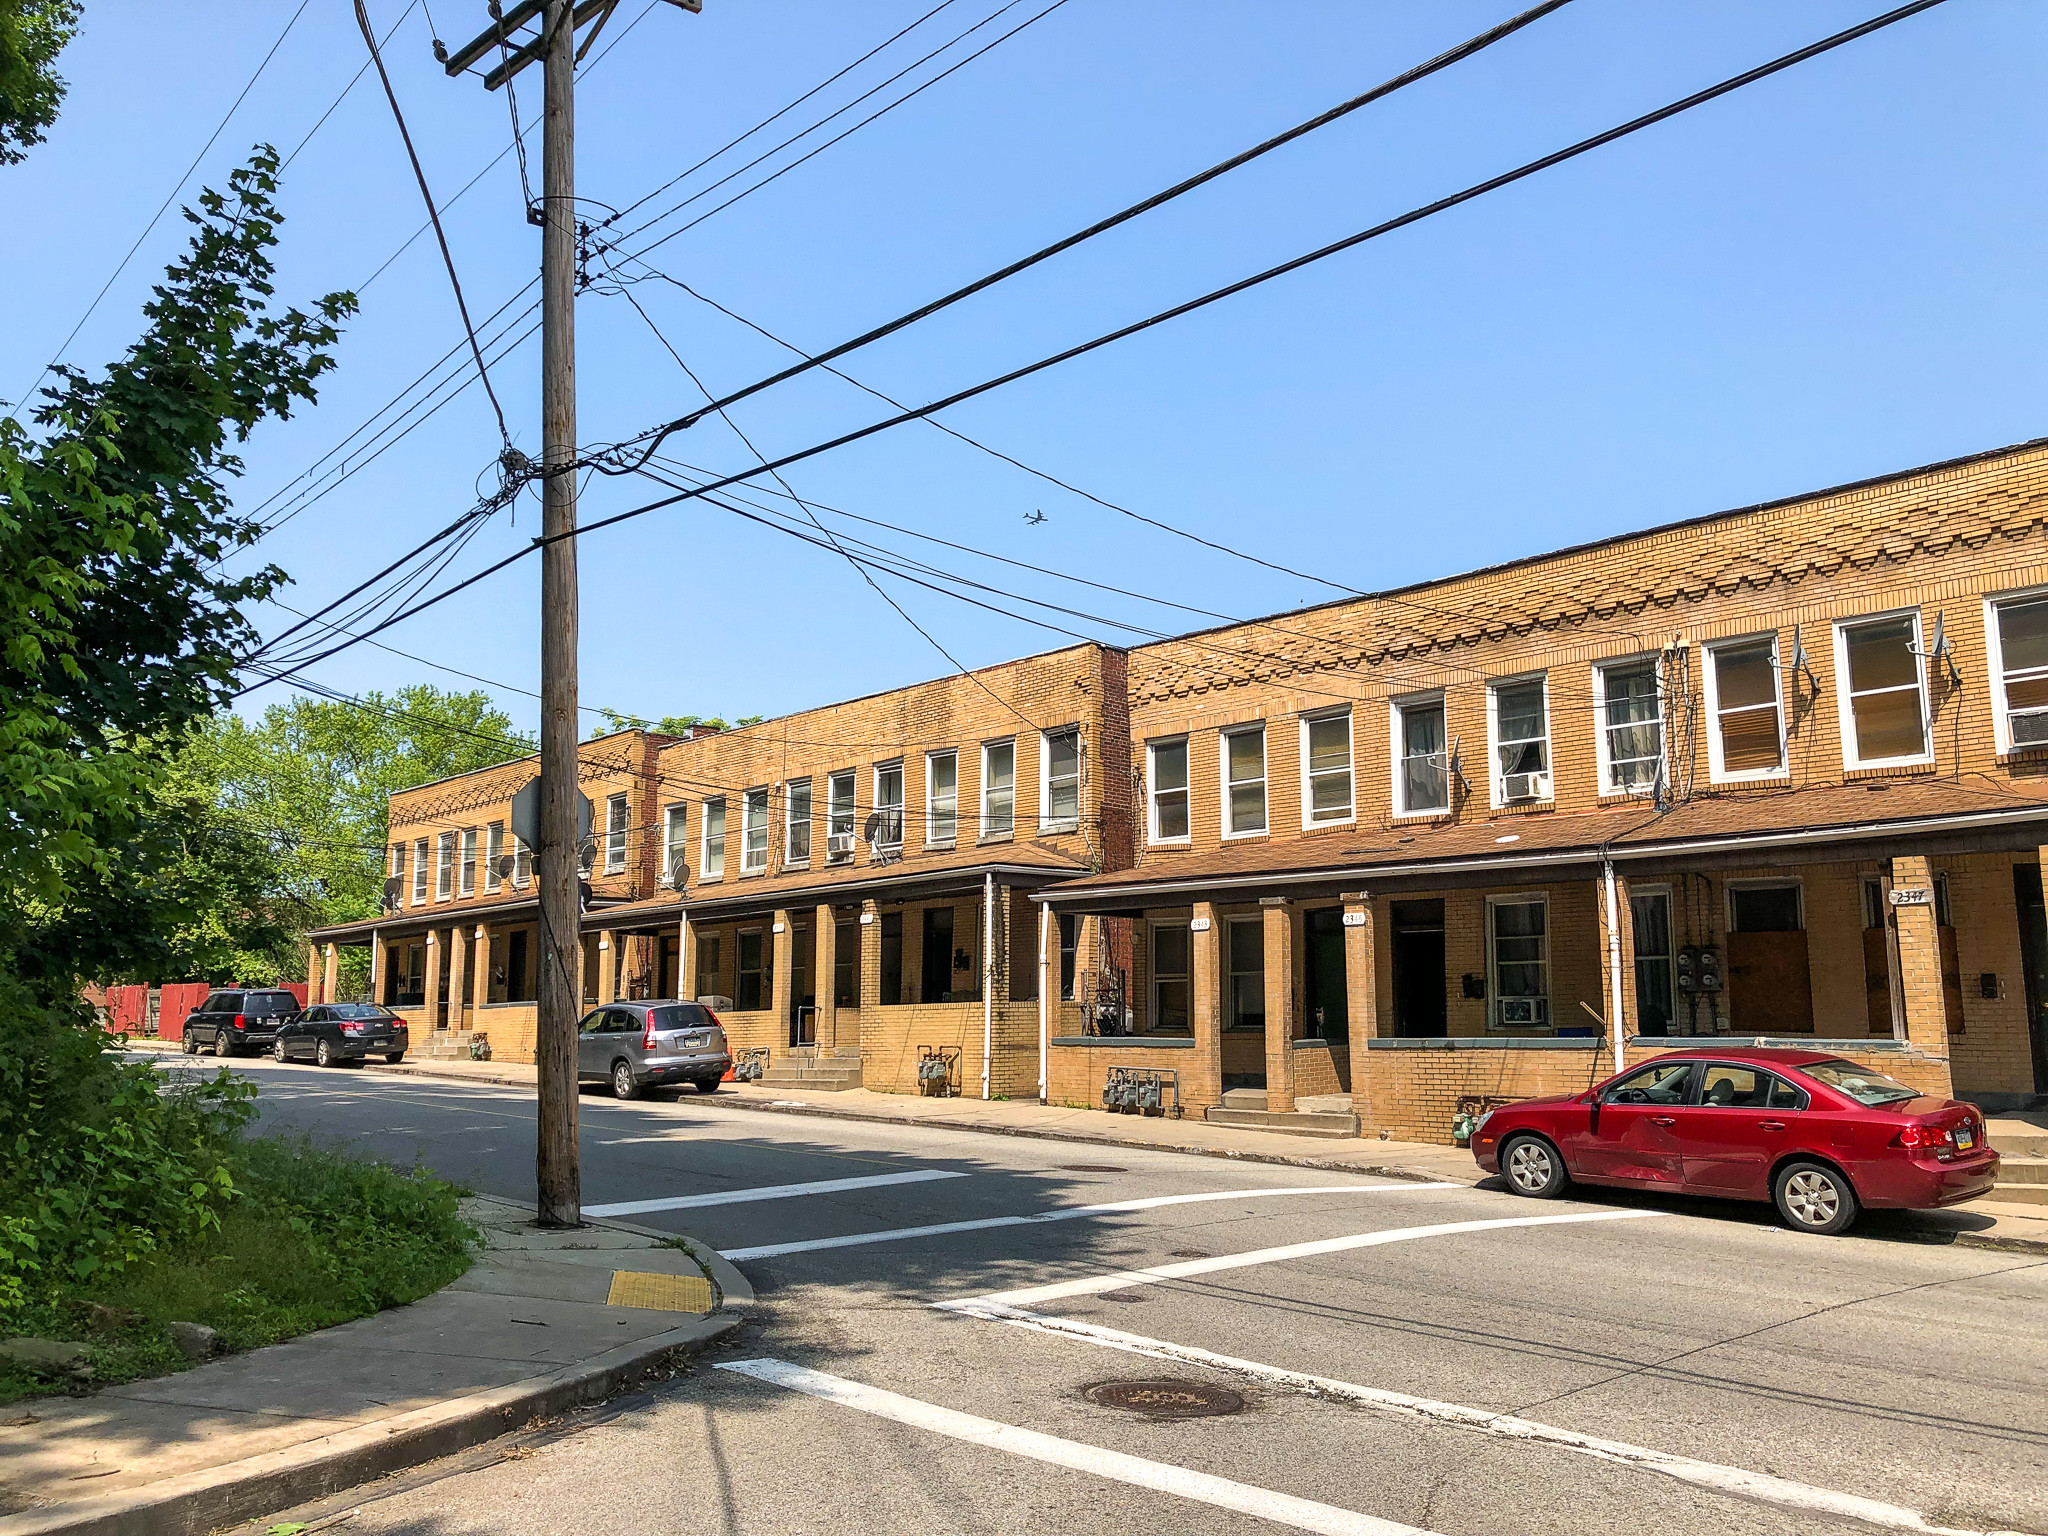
637	1046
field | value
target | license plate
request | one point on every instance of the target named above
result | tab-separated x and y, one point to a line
1965	1139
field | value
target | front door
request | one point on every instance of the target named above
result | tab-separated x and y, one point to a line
1419	998
593	1058
1629	1135
2026	889
1329	1008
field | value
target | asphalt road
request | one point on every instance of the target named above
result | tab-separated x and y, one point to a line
1409	1357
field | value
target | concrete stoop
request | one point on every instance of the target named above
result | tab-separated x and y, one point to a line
446	1045
2022	1145
812	1068
1300	1122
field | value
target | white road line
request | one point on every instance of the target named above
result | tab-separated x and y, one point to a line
768	1192
1064	1213
1158	1476
1094	1285
634	1141
1736	1481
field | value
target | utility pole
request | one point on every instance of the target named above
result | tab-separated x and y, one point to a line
557	1165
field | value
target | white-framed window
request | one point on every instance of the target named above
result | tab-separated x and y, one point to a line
889	805
522	863
1059	778
615	814
419	872
839	816
796	831
467	885
675	845
998	788
2016	636
444	867
1881	691
397	860
1171	1013
1244	781
711	860
941	797
1422	758
494	850
1745	706
1518	713
754	831
1166	775
1244	961
1518	961
1628	703
1326	768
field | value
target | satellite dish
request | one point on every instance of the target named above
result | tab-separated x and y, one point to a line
392	888
679	871
871	829
586	855
507	863
582	895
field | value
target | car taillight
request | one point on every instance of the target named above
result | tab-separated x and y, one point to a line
1915	1137
241	1021
647	1040
716	1021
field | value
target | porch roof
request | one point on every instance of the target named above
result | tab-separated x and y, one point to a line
1012	863
1528	844
413	921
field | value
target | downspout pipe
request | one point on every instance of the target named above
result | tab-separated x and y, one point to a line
1614	983
988	972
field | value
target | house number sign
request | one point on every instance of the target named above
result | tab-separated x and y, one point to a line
1354	919
1913	896
1199	925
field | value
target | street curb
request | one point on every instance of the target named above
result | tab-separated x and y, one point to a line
199	1502
734	1289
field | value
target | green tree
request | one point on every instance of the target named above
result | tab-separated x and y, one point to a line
667	725
32	34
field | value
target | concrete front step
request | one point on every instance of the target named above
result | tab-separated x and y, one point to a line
826	1079
2022	1170
1301	1123
444	1044
2016	1194
2016	1146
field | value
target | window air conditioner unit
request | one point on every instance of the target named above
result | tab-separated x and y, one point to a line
1524	786
1524	1010
839	845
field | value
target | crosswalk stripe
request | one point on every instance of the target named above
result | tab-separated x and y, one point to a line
767	1192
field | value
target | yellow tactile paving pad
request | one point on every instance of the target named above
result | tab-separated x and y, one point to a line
660	1293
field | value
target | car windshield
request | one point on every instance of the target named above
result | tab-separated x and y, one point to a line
359	1011
1860	1083
680	1016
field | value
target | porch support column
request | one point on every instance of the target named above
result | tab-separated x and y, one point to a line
330	970
458	974
607	967
1925	1008
377	965
870	961
782	972
1281	921
825	973
1361	992
313	975
480	988
1617	1002
431	985
1204	1085
686	961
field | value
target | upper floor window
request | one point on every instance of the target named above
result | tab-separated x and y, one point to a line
839	816
675	845
397	859
754	830
1631	726
1521	740
615	813
1422	768
1061	800
1326	768
1884	695
941	797
468	885
522	863
1244	781
889	806
444	866
1168	776
712	861
1748	738
2020	632
998	788
419	871
796	837
494	850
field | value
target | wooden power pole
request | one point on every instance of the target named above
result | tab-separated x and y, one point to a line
557	1166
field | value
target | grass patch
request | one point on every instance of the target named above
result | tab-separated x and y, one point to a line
313	1237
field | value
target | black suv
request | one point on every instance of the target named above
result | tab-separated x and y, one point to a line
228	1021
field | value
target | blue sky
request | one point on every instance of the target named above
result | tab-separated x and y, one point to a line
1829	275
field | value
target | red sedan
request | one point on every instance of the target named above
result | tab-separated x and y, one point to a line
1819	1136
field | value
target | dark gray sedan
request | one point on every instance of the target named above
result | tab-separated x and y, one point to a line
637	1046
333	1033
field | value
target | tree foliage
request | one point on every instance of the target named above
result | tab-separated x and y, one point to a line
32	34
667	725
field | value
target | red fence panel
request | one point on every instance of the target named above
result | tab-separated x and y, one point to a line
178	1000
127	1007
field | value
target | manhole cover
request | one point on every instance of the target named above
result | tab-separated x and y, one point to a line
1165	1399
1093	1168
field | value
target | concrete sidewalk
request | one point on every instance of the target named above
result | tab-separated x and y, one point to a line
541	1322
1981	1223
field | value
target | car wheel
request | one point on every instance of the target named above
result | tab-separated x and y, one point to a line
623	1086
707	1085
1533	1167
1812	1197
221	1047
394	1057
324	1054
277	1048
191	1044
